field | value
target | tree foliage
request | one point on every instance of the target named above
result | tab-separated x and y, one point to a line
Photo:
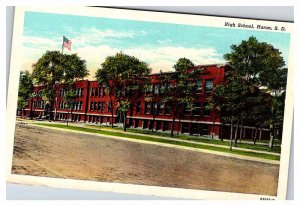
179	87
257	62
257	92
54	68
25	89
25	85
126	79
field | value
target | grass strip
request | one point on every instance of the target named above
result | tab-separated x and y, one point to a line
152	139
276	149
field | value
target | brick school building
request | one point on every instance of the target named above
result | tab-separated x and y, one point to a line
93	106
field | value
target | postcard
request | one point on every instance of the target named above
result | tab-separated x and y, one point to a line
151	103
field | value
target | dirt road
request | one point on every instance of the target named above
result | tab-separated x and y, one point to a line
48	152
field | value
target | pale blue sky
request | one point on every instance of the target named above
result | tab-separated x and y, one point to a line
159	44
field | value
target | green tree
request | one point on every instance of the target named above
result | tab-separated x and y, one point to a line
178	84
262	64
54	68
232	99
69	97
126	79
25	90
214	105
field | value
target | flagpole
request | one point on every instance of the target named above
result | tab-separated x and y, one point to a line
55	112
62	46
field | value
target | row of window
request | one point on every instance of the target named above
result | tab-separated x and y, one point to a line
155	108
159	88
156	89
74	106
78	91
98	91
194	129
100	106
37	94
38	104
199	109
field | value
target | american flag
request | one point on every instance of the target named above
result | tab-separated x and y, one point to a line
67	43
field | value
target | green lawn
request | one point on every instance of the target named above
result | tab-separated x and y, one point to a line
152	139
276	149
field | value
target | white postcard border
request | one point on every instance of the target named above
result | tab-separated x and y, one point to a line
199	20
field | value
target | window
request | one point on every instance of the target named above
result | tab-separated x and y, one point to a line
80	105
95	106
136	123
156	89
138	107
75	105
161	107
185	128
99	106
165	126
155	108
168	108
145	124
76	92
92	92
109	107
82	90
103	106
91	106
195	129
162	88
197	109
147	107
97	92
204	129
151	124
206	109
104	93
208	86
158	125
199	86
186	110
101	91
79	92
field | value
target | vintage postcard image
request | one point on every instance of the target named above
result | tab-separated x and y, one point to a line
151	103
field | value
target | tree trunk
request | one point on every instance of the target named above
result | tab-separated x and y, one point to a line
255	136
178	126
241	131
260	133
236	133
271	143
68	118
213	126
222	131
231	133
153	117
124	123
30	112
100	121
112	112
172	126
